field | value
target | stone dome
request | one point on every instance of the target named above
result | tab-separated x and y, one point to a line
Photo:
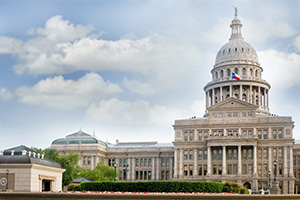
236	50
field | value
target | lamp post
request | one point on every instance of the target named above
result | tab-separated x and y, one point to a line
269	173
7	171
275	170
125	171
115	166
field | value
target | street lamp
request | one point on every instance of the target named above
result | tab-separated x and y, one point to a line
7	171
275	170
125	171
115	166
269	173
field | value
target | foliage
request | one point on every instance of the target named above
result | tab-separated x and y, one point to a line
100	173
234	187
73	187
154	186
52	154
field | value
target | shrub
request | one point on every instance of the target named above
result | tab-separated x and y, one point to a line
234	187
154	186
73	187
244	190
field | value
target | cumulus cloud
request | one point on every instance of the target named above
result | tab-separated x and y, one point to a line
143	89
10	45
296	43
139	112
280	69
5	95
58	92
268	28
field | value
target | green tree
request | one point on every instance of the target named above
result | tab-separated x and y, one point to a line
101	173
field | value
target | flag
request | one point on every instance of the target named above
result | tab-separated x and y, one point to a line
236	76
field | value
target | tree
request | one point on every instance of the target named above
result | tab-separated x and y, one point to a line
101	173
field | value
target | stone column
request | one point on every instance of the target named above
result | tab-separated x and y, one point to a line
239	160
268	100
157	168
291	162
208	161
213	96
224	161
250	93
195	173
270	133
180	163
221	93
132	169
254	131
153	169
265	95
255	160
285	166
176	164
270	162
171	169
207	99
259	106
241	92
92	162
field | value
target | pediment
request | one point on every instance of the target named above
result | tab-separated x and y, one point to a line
232	104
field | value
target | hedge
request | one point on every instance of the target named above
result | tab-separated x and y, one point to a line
154	186
73	187
234	187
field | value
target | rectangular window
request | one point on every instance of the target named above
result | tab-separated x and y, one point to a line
163	162
220	154
234	168
136	175
259	168
294	160
229	115
250	169
167	175
191	155
279	152
298	173
259	134
265	134
234	154
185	155
214	169
265	153
191	136
200	155
244	168
200	170
244	153
168	161
274	134
120	161
141	175
185	136
162	175
205	170
149	161
185	170
244	114
145	161
149	175
259	155
220	169
145	175
229	154
229	169
280	133
215	155
191	170
205	155
274	153
250	153
280	168
265	170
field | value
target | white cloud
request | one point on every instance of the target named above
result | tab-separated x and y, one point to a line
57	92
139	112
5	95
296	43
280	69
198	108
10	45
143	89
267	28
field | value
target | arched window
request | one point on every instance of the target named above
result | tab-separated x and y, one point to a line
222	73
228	72
236	70
216	75
244	71
256	73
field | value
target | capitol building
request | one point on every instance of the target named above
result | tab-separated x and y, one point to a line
237	139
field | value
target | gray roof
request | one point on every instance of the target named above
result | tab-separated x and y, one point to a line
78	138
17	150
139	144
25	159
81	179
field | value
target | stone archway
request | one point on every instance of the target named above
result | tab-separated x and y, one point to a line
247	185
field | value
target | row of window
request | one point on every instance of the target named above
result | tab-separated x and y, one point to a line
277	133
232	169
232	115
244	72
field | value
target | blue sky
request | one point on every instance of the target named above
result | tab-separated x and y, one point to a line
127	69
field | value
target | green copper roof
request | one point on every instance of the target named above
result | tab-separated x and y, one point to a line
78	138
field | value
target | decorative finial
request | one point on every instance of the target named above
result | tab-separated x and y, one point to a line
235	11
